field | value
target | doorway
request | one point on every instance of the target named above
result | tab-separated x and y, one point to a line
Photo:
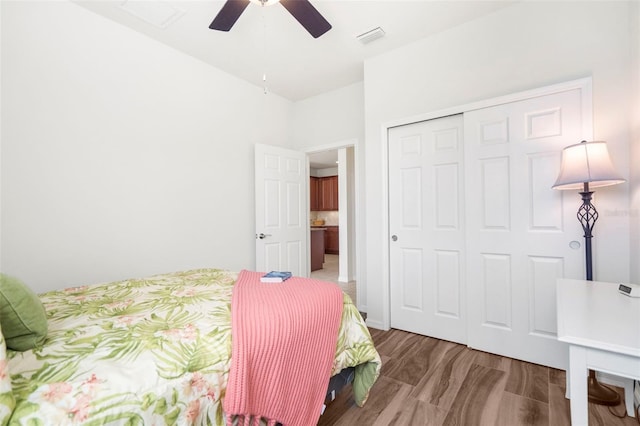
337	219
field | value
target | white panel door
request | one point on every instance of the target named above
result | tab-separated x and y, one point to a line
281	193
519	231
426	226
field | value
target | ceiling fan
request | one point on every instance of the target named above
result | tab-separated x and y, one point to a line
302	10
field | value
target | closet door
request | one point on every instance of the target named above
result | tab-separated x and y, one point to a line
519	232
426	228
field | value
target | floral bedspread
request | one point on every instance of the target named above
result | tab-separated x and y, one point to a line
150	351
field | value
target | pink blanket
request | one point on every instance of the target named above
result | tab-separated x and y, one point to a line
284	338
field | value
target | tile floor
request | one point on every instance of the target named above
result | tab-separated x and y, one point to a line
329	272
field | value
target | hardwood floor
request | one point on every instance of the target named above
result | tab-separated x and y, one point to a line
426	381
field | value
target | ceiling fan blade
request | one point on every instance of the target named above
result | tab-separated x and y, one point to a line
308	16
229	14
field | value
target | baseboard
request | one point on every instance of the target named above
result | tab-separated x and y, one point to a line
375	324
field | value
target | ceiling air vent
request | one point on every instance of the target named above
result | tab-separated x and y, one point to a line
371	35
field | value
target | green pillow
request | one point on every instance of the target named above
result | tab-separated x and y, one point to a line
22	315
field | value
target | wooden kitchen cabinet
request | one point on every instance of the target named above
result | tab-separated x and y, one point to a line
332	240
323	193
329	193
314	190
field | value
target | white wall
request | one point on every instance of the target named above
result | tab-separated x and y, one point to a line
330	117
333	118
524	46
634	212
121	157
0	138
348	260
331	171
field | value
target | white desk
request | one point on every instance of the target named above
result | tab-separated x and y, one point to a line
602	328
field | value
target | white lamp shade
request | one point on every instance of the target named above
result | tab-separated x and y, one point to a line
586	162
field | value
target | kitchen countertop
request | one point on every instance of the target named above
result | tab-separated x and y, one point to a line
318	228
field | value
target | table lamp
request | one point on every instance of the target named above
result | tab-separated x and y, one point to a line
584	166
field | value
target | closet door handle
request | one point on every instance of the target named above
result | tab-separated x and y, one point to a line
394	238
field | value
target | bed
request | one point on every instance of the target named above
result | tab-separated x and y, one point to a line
150	351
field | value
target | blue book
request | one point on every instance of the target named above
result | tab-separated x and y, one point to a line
275	277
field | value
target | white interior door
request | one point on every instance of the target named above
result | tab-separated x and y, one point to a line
426	202
281	192
519	231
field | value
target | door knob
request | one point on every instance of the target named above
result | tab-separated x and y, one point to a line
394	238
262	236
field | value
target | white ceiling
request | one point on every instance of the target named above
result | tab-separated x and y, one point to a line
269	40
323	159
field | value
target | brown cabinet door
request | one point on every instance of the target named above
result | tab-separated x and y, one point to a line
333	197
314	193
317	249
328	193
332	240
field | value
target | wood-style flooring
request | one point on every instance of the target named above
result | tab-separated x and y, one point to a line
426	381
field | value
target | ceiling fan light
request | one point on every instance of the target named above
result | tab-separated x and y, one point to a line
265	2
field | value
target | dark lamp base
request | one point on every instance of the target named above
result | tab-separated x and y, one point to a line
599	394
